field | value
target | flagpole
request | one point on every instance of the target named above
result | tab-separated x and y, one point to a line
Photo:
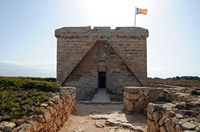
135	18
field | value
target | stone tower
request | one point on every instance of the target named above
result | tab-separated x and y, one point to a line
101	58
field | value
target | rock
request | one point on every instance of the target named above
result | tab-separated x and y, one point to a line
178	128
99	124
139	106
149	116
131	96
179	116
47	115
114	121
181	121
96	117
132	90
7	126
56	99
140	92
169	126
146	92
151	126
163	129
181	97
170	114
197	128
51	103
141	98
44	105
37	126
157	115
128	105
58	121
38	118
162	120
188	126
79	129
168	106
153	94
151	108
52	111
25	128
161	94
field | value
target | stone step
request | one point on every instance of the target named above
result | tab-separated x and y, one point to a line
104	103
101	97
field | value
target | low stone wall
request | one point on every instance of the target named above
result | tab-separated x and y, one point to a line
167	109
52	116
168	117
136	99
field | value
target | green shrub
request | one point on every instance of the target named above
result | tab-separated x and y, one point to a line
21	96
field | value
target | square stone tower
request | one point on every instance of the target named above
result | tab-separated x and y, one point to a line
101	58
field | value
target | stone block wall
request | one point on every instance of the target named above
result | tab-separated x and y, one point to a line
168	117
136	99
82	52
167	109
53	114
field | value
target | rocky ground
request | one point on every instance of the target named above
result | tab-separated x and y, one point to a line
104	118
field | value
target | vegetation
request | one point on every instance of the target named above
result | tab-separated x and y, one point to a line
184	81
20	96
185	78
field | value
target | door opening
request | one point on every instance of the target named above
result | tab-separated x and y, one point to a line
102	80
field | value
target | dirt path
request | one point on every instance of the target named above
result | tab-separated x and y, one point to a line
103	118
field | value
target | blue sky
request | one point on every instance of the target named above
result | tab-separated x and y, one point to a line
28	45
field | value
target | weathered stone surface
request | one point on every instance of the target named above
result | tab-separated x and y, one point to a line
169	126
157	115
128	105
7	126
188	126
82	52
131	96
173	116
151	126
99	124
163	129
51	119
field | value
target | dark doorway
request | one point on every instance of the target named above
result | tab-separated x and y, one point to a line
102	80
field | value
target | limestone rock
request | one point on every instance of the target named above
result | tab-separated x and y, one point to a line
7	126
151	126
47	115
188	126
99	124
44	105
149	116
169	126
130	96
128	105
157	115
151	108
163	129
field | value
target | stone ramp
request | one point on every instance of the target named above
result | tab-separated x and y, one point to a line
101	97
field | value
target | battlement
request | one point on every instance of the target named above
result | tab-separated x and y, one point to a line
101	32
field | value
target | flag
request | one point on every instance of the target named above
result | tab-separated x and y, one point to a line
141	11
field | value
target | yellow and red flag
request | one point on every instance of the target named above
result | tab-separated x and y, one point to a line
141	11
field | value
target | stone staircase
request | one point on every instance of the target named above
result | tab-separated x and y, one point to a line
101	97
